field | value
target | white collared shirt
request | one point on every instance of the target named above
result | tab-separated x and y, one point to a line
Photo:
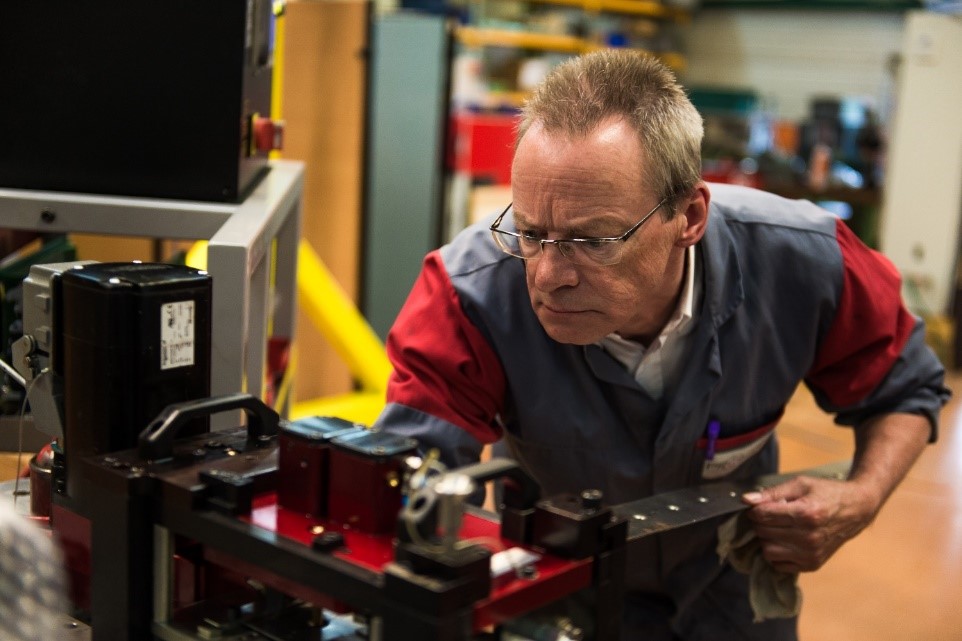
659	365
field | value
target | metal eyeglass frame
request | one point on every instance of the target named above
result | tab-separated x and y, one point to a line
565	245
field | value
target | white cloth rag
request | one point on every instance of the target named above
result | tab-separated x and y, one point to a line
773	594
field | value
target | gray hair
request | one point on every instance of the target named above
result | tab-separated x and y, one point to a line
582	92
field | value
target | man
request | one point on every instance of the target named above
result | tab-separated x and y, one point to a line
630	329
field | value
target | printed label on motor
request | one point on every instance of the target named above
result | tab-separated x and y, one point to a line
177	334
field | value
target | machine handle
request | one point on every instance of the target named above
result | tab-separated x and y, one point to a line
522	494
157	440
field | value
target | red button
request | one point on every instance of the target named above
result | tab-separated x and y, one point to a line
268	134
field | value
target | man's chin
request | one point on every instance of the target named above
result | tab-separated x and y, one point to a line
569	335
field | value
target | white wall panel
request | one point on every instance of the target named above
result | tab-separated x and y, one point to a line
923	191
790	56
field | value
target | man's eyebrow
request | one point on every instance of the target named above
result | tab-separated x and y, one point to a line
514	214
519	219
595	228
600	226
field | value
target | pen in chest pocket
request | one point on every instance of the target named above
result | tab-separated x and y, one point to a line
714	429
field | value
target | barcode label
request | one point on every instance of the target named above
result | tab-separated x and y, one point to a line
177	334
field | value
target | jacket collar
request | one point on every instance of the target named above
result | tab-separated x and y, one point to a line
723	289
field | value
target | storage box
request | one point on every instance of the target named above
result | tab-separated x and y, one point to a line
483	146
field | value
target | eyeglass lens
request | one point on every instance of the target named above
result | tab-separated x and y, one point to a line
582	253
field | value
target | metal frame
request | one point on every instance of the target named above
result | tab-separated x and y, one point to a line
242	257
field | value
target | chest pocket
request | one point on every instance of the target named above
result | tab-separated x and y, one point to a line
722	455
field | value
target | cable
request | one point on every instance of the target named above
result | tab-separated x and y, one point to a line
23	412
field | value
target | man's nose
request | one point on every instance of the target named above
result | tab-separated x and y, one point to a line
552	269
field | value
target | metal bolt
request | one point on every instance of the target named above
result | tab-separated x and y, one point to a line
392	479
591	499
527	572
48	215
702	499
639	517
674	508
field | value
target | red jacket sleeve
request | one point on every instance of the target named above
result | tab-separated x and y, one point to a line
443	365
870	328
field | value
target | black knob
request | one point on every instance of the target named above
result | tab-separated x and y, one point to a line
591	499
328	541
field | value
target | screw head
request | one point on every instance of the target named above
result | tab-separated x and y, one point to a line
591	499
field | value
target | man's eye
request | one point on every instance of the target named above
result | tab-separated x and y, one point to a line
592	243
529	234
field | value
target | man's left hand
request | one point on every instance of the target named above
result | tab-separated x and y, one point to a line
802	522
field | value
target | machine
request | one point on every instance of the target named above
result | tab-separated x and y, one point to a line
316	529
154	99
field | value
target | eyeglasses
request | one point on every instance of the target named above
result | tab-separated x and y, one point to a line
580	251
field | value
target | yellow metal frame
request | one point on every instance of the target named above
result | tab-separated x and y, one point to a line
336	316
333	313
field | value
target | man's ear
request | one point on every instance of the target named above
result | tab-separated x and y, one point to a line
694	211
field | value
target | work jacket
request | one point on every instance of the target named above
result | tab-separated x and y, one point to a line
789	295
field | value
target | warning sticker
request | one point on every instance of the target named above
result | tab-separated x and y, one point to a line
177	334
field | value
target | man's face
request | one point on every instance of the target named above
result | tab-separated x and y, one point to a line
591	187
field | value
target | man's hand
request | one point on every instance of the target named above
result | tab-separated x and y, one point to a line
802	522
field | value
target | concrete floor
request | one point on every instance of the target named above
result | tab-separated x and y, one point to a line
901	579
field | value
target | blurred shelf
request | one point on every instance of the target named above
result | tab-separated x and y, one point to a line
482	37
643	8
479	37
499	99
